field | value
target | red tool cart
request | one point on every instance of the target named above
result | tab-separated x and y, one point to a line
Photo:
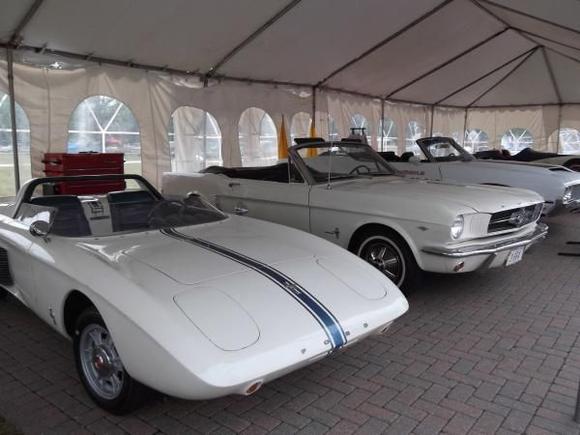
61	164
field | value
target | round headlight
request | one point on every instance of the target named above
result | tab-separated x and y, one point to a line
567	195
457	227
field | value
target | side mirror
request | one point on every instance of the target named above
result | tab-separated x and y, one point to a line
40	229
414	160
194	194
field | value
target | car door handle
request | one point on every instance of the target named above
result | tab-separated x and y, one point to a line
233	184
241	211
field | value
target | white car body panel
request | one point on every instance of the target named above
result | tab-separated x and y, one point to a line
421	211
550	181
189	320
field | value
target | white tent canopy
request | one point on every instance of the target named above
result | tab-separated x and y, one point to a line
491	73
424	51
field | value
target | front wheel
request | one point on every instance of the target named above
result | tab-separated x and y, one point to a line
390	254
100	367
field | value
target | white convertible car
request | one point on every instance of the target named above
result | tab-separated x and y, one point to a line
349	195
444	159
179	296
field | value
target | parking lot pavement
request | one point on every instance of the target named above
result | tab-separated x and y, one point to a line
481	353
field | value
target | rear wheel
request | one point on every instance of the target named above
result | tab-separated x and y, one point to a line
101	369
390	254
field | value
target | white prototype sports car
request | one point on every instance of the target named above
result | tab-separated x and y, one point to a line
179	297
349	195
441	158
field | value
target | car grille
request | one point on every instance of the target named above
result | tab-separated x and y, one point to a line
514	218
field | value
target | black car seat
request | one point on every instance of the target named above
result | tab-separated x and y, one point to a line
70	219
130	209
406	156
389	156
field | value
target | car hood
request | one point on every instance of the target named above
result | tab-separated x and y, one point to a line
485	199
192	263
242	281
561	173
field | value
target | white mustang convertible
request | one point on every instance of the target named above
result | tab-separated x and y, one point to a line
349	195
445	160
179	296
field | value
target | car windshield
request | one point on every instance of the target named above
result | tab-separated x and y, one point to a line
341	160
131	210
443	149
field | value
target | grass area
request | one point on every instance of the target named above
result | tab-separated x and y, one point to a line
7	428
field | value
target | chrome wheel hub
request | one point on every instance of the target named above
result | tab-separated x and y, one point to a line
100	362
386	257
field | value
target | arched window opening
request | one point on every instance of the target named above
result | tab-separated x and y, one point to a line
7	175
476	140
359	121
257	138
106	125
569	141
388	137
300	127
414	131
516	139
195	140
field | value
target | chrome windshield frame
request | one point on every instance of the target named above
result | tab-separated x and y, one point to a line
425	142
295	157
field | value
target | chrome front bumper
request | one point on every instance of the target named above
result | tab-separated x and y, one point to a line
492	248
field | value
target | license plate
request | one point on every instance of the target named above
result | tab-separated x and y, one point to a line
515	256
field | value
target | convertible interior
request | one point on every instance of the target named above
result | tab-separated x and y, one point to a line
281	173
117	212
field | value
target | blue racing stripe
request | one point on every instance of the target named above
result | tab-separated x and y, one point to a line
321	314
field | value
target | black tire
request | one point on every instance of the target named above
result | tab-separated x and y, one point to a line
132	394
406	275
3	293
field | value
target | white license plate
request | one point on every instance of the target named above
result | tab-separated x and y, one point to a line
515	256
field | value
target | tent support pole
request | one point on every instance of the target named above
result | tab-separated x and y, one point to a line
313	108
530	16
16	38
382	124
10	61
432	119
464	127
500	81
482	77
559	128
572	58
447	62
385	41
552	76
213	70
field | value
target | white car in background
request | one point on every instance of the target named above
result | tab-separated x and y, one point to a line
444	159
179	296
349	195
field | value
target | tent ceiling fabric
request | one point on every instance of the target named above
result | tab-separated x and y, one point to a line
463	53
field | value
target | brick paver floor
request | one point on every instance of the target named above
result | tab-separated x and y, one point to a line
494	352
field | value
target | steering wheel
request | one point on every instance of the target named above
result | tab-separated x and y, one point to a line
358	168
165	213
